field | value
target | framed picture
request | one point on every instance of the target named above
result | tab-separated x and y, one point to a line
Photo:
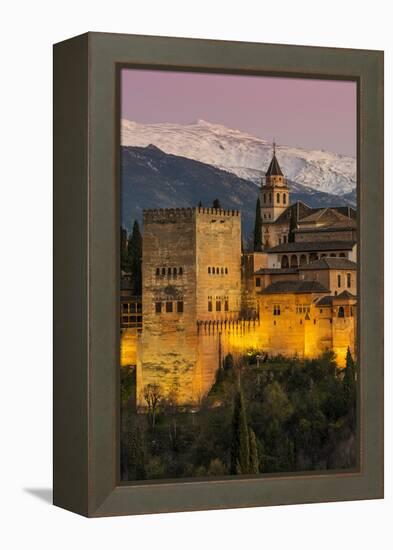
218	274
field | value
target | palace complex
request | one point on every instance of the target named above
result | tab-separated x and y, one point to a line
202	298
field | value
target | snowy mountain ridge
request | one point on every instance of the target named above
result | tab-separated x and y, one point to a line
245	155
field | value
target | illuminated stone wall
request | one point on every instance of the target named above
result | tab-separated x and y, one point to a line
128	347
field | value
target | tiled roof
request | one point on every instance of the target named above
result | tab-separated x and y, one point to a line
295	287
330	263
325	301
276	271
312	246
345	295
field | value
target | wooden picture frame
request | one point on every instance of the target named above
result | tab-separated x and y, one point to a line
86	269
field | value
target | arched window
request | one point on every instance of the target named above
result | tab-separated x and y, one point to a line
339	281
333	255
169	271
226	271
342	255
348	280
222	271
163	271
341	311
209	270
213	270
294	261
284	262
157	271
180	271
217	270
175	271
303	259
278	198
284	198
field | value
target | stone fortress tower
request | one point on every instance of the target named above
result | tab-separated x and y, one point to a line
191	273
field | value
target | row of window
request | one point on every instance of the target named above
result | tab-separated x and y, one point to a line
218	305
217	270
302	309
306	309
131	307
169	271
278	198
169	307
131	320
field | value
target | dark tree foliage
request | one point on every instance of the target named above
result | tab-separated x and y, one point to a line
254	459
292	226
135	258
228	362
216	204
349	385
200	204
240	451
258	228
291	415
124	262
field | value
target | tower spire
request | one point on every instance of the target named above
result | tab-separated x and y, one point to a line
274	147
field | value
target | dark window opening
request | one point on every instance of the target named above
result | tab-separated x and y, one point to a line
180	307
348	280
180	271
258	281
169	307
218	305
157	271
341	311
209	306
339	281
158	307
163	271
226	305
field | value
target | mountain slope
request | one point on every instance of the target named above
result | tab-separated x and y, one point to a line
244	155
151	178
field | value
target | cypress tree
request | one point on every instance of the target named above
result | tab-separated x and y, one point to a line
124	264
258	227
229	362
135	258
216	204
254	459
240	450
292	226
349	387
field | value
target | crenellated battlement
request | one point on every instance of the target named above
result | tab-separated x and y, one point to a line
217	211
172	215
162	215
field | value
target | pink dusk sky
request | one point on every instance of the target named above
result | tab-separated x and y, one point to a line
315	114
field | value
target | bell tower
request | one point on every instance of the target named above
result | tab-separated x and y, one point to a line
274	192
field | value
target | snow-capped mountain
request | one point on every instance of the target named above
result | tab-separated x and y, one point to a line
245	155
